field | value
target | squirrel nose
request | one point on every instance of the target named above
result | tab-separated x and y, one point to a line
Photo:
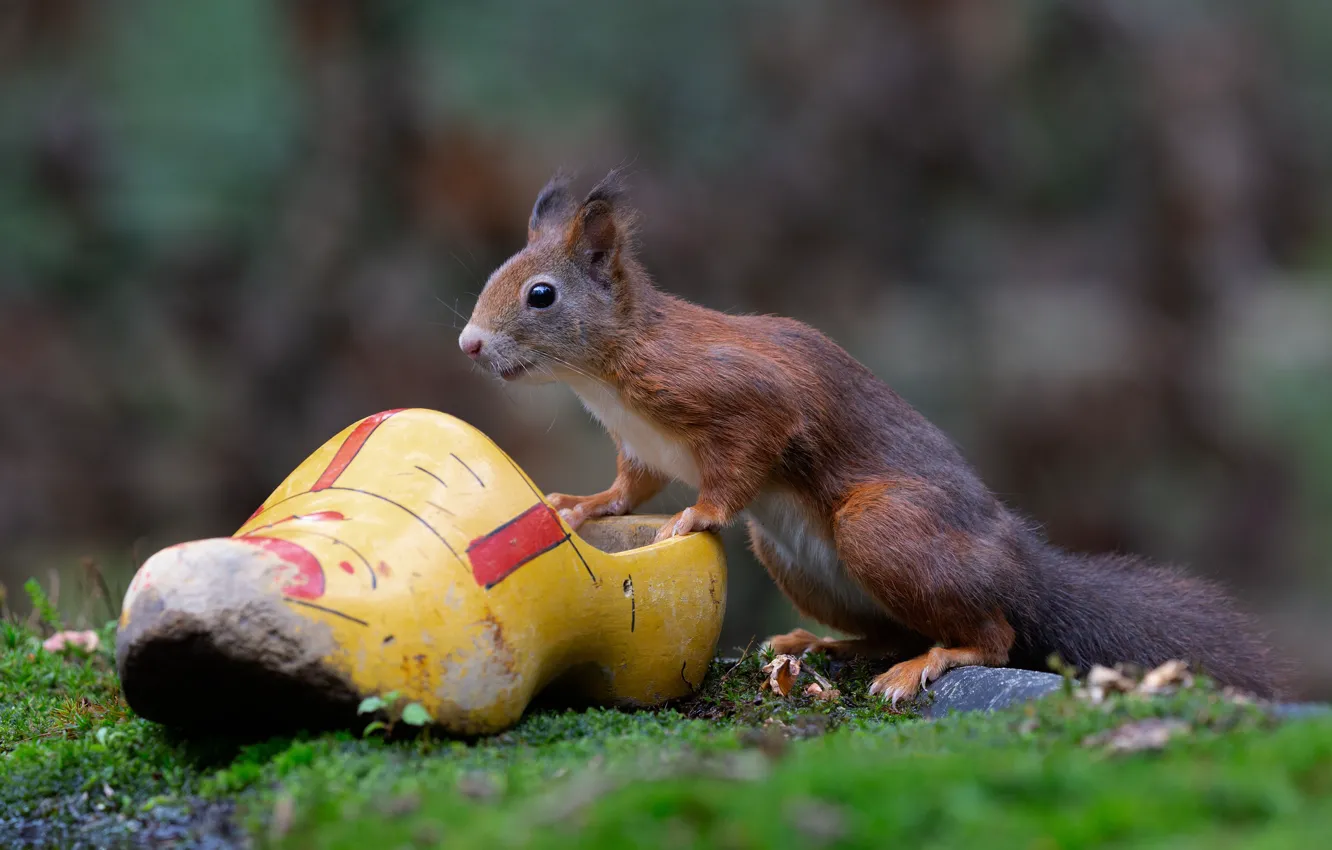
470	342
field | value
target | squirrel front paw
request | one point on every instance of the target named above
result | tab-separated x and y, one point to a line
688	521
576	510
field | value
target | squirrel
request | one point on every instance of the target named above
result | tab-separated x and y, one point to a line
864	513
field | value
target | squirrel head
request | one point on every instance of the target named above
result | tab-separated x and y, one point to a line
561	304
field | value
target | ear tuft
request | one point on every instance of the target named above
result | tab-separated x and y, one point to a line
554	202
611	189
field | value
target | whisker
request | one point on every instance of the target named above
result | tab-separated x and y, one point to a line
549	371
571	366
455	310
466	267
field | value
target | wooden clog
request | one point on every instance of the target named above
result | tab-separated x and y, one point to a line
410	554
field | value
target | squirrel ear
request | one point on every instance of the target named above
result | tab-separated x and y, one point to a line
554	202
598	229
593	238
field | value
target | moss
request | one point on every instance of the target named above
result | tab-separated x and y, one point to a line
720	770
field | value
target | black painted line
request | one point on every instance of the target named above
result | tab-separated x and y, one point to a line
541	497
508	522
325	610
591	574
374	582
414	514
434	476
531	557
633	605
274	505
469	469
441	508
529	484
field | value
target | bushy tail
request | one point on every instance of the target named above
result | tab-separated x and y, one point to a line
1106	609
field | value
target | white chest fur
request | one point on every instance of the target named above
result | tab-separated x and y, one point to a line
783	520
638	437
806	553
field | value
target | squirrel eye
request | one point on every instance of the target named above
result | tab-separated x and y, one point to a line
541	296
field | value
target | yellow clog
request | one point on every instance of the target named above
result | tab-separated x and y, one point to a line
410	554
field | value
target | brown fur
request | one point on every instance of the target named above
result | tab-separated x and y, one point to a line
769	408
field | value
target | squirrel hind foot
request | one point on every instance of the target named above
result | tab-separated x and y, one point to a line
799	641
796	642
904	681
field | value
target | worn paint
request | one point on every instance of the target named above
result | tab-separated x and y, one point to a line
490	596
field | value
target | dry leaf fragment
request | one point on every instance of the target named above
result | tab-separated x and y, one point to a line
782	672
1135	737
1166	678
820	692
820	822
1103	681
1109	678
770	738
818	679
403	804
477	785
284	812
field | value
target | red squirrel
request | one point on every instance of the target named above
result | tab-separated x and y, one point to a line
864	513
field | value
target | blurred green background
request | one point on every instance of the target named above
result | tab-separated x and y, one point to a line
1092	240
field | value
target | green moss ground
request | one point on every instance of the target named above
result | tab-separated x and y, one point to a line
78	769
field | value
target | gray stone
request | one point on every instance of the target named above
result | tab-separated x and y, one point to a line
991	688
1298	710
985	689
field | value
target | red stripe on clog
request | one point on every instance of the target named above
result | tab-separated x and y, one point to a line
308	582
349	448
499	553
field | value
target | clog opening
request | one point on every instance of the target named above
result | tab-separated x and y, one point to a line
622	533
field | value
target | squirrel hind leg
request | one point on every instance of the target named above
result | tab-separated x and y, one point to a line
800	641
986	643
904	681
940	584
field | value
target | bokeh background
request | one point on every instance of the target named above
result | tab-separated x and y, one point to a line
1091	239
